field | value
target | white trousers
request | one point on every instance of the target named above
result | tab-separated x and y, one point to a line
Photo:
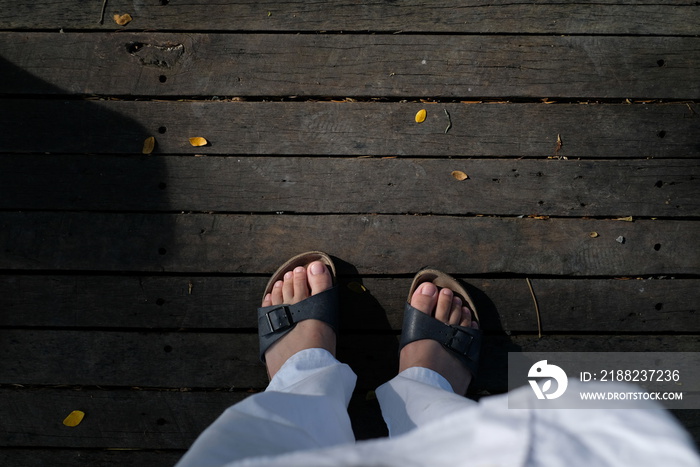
301	419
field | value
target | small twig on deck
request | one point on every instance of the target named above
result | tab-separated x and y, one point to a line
449	121
102	15
537	309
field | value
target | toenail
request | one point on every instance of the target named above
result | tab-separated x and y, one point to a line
279	284
317	268
457	301
299	270
428	289
446	292
288	275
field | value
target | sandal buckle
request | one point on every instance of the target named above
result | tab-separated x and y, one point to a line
459	341
279	319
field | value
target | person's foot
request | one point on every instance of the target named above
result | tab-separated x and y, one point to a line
297	285
447	308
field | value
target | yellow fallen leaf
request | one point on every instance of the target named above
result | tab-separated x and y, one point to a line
420	116
459	175
198	141
148	145
626	219
123	20
593	234
74	418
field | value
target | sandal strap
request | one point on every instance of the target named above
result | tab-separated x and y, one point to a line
275	321
463	342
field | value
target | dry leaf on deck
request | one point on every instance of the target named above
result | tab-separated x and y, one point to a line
626	219
459	175
74	418
123	20
593	234
559	144
148	145
198	141
420	116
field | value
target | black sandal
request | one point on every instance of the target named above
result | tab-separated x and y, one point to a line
463	342
275	321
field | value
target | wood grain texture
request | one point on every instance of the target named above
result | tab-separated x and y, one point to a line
353	129
113	419
448	67
166	421
40	457
156	418
603	188
122	421
153	302
165	360
474	16
230	361
374	244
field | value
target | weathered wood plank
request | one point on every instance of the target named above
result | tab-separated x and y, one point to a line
157	419
131	359
113	419
132	419
127	423
544	17
437	66
374	244
606	188
565	305
329	128
224	360
41	457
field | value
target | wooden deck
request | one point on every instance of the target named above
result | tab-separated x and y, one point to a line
128	281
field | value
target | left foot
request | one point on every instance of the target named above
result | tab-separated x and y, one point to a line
297	285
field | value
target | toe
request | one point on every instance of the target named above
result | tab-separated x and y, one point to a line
319	277
288	287
300	286
466	314
444	306
267	300
277	296
425	297
455	312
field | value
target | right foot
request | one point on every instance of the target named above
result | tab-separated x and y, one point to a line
297	285
444	306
